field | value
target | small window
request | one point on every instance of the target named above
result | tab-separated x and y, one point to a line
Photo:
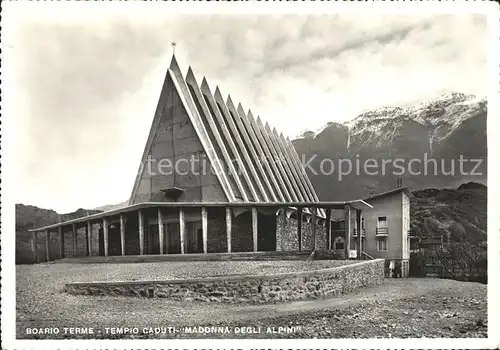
382	222
381	244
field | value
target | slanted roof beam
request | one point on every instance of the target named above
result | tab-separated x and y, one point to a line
191	81
297	159
284	161
241	168
283	182
292	156
289	153
288	162
255	149
287	184
246	148
267	174
263	154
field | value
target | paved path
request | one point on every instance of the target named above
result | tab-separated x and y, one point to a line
391	289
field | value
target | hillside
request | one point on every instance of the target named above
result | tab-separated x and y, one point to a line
444	129
28	217
457	221
458	213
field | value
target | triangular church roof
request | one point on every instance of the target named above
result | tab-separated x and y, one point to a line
251	161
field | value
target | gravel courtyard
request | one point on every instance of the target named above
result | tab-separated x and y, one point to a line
168	269
397	308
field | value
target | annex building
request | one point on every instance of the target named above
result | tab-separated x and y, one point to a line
384	228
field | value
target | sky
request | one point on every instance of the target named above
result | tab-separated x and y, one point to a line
86	86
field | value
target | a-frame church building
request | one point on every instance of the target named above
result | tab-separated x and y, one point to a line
212	179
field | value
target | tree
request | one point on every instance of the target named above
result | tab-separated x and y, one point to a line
465	261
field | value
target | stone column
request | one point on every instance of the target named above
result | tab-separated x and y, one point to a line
86	231
282	217
105	232
166	233
314	224
122	234
347	221
141	232
229	224
61	239
160	229
33	246
47	244
255	228
182	228
358	229
73	227
89	237
204	228
299	227
328	224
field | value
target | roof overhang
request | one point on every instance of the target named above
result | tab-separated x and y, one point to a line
356	204
391	192
360	204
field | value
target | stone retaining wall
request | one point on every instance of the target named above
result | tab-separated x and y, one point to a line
254	289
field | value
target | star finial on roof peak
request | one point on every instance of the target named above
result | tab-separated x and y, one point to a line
173	44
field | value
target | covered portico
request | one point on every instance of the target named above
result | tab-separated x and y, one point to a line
152	228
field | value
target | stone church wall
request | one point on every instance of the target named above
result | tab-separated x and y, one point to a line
288	236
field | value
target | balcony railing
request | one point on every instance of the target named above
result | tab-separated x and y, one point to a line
381	231
355	232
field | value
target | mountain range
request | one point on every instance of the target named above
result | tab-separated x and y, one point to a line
439	133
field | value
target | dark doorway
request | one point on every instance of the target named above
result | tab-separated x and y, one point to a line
194	237
153	240
114	242
132	235
101	241
173	243
266	233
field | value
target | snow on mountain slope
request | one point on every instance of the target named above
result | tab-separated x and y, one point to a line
440	117
447	128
